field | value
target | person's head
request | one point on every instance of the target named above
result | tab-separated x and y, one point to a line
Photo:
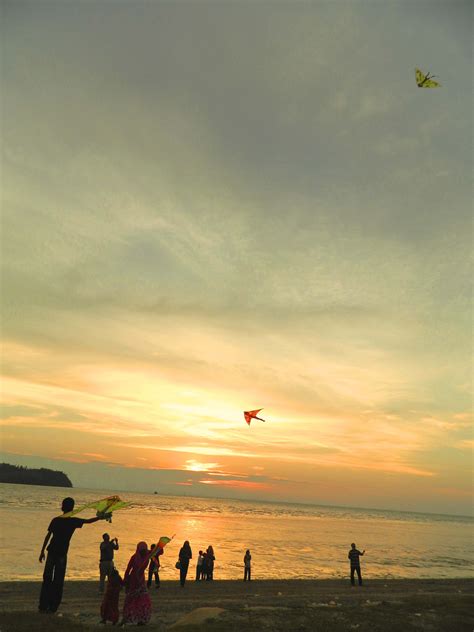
67	505
210	550
142	549
200	552
114	575
152	546
248	551
105	537
353	545
186	544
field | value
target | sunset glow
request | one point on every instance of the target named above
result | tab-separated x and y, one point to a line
175	253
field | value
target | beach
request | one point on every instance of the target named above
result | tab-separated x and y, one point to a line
267	605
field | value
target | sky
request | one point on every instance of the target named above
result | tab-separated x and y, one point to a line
211	207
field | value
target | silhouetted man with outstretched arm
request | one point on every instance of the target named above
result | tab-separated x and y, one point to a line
354	555
61	528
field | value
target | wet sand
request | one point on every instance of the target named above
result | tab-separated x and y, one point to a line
267	605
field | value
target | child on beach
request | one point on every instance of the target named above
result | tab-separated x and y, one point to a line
61	529
354	555
109	610
154	568
247	560
200	561
204	565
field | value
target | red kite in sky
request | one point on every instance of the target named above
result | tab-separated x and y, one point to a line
252	414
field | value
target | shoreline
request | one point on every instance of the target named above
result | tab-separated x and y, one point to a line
264	580
260	605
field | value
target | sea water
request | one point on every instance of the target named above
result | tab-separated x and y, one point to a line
286	540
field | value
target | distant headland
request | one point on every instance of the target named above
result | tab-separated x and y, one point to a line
28	476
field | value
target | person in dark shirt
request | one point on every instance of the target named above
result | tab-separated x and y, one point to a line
106	564
185	554
247	565
61	530
354	556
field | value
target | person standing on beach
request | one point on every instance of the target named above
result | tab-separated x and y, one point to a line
61	529
354	555
204	565
109	609
247	560
106	564
210	563
185	554
137	605
199	566
154	568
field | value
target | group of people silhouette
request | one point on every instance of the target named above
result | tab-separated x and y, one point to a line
137	605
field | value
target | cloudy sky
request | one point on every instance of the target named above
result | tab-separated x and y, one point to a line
216	206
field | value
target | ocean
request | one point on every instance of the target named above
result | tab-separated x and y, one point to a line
287	541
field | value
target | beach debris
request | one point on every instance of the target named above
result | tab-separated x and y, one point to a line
279	594
371	603
417	614
197	616
252	414
354	626
425	80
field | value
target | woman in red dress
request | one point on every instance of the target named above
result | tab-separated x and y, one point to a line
137	606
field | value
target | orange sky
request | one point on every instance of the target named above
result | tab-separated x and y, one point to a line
190	231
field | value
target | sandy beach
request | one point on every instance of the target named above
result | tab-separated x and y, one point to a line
228	606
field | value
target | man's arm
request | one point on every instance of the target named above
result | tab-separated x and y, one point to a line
97	518
115	544
45	543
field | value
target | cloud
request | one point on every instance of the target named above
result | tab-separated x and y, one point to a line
244	211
